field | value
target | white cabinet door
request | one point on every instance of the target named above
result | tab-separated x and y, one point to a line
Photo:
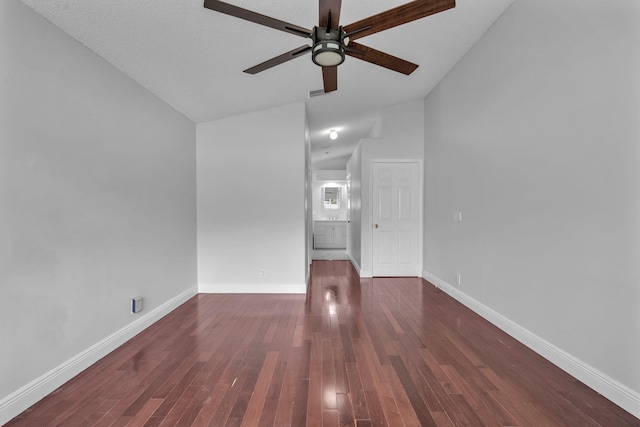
318	236
340	235
329	238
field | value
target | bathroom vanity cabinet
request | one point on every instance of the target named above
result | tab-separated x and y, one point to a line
330	234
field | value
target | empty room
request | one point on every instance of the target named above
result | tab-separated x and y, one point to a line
320	212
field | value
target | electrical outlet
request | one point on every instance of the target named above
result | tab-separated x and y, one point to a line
263	273
458	278
136	304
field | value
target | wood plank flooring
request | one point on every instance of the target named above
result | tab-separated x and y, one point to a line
354	352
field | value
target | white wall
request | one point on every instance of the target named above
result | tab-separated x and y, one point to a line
97	205
402	133
535	137
354	227
308	201
251	202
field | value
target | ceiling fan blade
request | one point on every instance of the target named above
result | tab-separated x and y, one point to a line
333	6
382	59
330	78
397	16
258	18
292	54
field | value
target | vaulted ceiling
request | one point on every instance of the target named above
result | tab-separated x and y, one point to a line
192	58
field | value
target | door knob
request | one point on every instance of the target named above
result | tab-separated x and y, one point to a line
376	225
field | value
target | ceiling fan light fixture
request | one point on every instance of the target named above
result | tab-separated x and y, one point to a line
328	48
328	53
333	134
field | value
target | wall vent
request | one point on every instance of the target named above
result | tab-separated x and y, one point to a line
317	92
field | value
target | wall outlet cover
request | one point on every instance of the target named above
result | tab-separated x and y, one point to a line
136	304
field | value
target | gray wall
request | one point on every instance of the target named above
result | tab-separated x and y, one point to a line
97	198
534	136
354	227
251	202
308	201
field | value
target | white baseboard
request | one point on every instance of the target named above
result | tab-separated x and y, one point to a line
20	400
613	390
361	273
251	288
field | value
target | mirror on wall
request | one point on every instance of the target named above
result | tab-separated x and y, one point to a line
332	197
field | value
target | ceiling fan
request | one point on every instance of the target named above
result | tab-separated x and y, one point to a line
332	41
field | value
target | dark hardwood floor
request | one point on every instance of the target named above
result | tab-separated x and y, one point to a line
370	352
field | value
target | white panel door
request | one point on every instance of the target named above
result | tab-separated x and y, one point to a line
396	219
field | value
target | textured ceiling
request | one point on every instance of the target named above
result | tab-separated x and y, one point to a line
193	58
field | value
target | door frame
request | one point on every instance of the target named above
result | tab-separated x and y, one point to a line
420	163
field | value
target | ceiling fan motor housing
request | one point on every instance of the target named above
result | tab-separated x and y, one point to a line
328	46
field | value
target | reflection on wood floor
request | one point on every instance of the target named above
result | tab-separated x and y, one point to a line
370	352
